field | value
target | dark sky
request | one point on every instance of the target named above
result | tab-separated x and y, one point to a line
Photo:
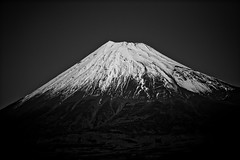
41	40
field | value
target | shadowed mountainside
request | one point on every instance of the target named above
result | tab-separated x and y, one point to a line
127	129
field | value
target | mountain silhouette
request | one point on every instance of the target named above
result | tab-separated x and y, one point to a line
124	101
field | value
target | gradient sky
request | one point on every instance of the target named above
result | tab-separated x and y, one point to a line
41	40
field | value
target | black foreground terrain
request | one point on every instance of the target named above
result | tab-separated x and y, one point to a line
198	128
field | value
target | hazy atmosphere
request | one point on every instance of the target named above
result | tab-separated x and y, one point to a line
41	40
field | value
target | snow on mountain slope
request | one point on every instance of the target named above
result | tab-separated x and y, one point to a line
111	65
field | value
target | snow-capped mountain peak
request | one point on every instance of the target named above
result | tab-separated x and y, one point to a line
113	65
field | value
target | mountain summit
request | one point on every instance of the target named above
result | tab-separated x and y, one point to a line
124	100
115	66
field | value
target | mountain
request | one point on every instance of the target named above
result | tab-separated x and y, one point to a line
124	100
